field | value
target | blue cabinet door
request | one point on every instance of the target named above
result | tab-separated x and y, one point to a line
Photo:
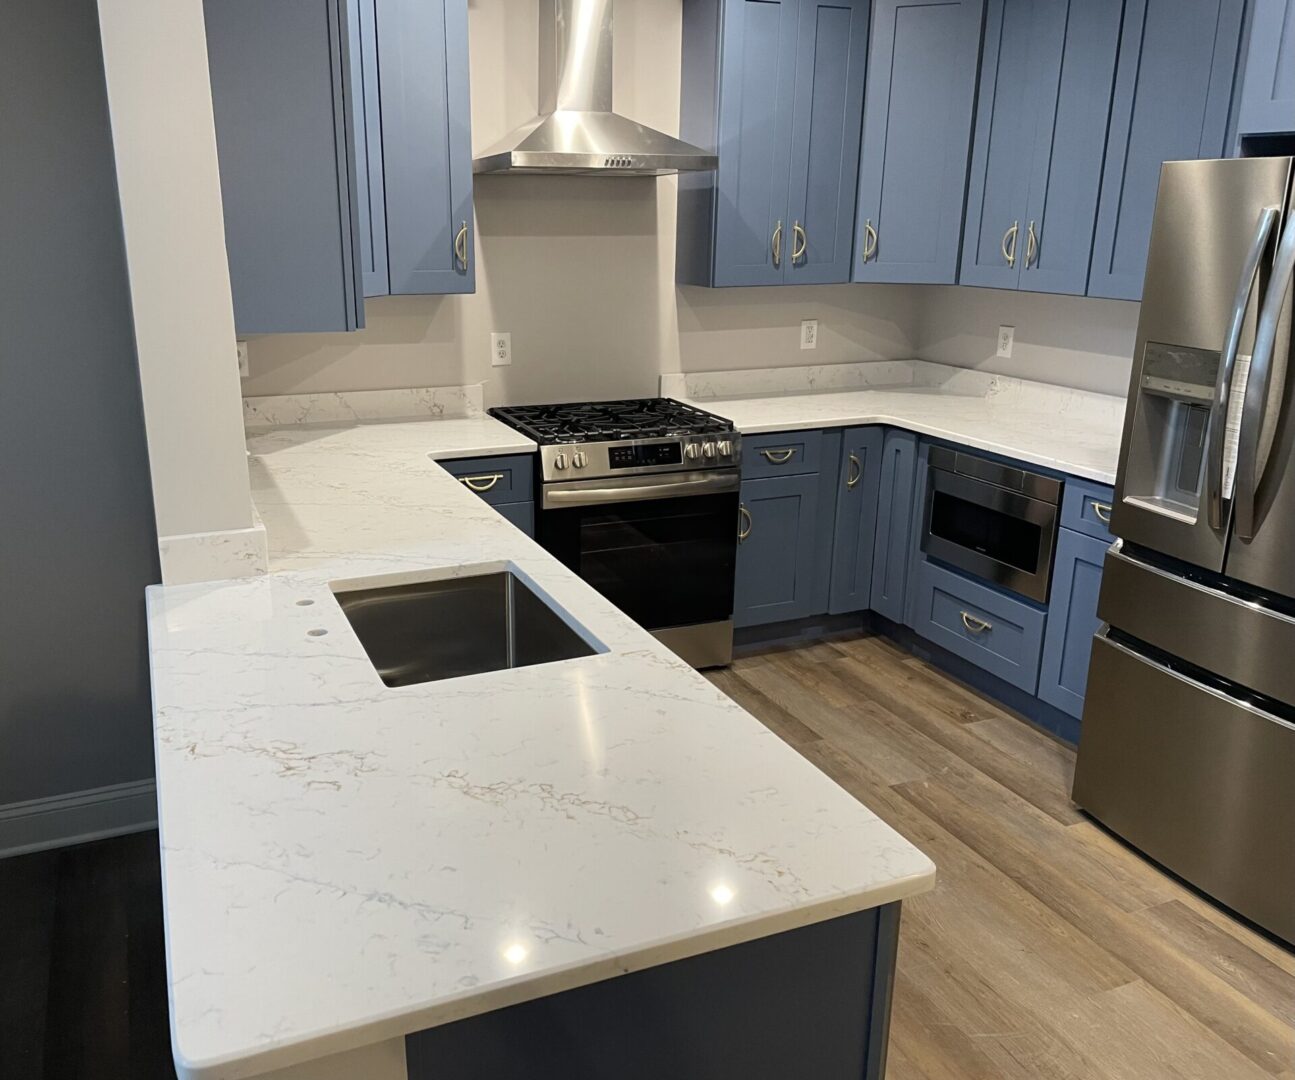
366	107
280	77
757	74
1173	89
896	489
854	536
831	59
1268	86
777	554
1072	73
916	137
1072	620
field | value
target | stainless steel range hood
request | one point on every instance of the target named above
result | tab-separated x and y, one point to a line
577	132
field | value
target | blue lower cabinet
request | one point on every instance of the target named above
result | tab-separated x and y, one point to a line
778	561
892	541
506	482
521	514
855	533
1072	620
996	632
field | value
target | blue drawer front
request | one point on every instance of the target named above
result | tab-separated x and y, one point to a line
781	453
1086	508
506	479
995	632
521	514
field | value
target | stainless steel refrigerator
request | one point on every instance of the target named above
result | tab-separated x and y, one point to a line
1188	740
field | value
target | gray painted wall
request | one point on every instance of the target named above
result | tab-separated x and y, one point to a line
77	538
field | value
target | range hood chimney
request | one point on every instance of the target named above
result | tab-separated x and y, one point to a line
577	132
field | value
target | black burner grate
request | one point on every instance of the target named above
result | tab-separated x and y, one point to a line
608	421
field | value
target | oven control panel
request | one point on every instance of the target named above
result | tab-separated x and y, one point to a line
587	461
640	455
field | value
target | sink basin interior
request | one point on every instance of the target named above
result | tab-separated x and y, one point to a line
428	630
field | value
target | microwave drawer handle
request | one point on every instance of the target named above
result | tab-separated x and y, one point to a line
1102	510
779	457
976	626
481	484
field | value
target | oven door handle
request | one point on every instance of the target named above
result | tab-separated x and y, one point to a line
598	492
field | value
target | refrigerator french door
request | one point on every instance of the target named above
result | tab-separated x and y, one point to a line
1188	739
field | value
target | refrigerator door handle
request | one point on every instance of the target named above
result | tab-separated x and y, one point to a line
1231	344
1256	399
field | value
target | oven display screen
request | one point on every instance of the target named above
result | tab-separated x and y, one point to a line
630	457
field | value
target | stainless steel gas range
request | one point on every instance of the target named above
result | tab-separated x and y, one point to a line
640	498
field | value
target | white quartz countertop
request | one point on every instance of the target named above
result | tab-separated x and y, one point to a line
344	863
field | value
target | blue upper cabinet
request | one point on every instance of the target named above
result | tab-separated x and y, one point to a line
414	146
916	136
1045	97
1268	86
1173	90
775	87
280	76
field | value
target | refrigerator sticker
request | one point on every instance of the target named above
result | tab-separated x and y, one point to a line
1232	426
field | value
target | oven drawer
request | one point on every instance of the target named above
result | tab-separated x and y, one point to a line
509	478
1086	508
781	453
1002	635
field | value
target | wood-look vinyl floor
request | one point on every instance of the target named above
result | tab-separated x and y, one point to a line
1048	949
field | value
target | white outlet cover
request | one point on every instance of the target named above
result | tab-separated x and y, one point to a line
809	333
1006	335
501	349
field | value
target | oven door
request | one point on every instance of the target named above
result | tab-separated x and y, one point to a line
661	548
998	535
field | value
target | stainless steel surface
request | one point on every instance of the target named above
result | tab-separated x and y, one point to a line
1243	640
577	131
1010	254
975	625
869	240
481	483
1202	235
799	241
1268	216
1198	779
639	489
775	244
443	629
461	245
1031	246
592	460
854	473
1002	489
778	457
744	530
703	645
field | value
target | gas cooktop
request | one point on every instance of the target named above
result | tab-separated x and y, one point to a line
587	440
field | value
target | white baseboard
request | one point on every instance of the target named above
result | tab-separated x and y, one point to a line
62	820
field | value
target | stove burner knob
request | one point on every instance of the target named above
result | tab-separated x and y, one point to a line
560	461
580	461
725	448
708	450
691	451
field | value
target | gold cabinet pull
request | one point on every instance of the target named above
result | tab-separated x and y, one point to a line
798	237
461	245
1031	246
776	243
1102	510
744	531
855	472
778	457
1010	255
869	240
482	483
976	626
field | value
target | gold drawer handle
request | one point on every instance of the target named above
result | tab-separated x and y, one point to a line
976	626
856	471
481	484
743	533
772	457
1102	510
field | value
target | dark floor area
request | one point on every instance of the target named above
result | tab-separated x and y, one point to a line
83	992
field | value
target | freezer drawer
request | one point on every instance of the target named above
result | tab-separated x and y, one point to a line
1198	780
1237	638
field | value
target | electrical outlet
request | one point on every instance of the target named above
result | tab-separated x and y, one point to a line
501	350
243	369
1006	334
809	333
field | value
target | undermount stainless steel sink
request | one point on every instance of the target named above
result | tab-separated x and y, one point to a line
429	630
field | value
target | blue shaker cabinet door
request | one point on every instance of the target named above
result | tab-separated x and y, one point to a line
891	557
757	69
1268	88
426	144
776	554
1072	76
366	107
854	541
831	59
280	76
1173	89
993	242
916	137
1072	620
